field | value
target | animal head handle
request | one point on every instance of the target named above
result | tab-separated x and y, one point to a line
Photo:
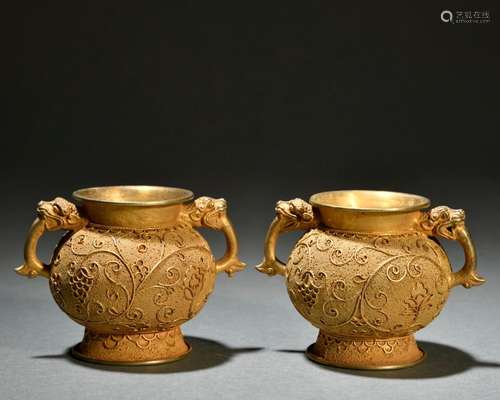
52	215
212	213
290	216
449	223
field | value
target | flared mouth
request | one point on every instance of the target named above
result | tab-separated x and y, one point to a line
134	195
374	201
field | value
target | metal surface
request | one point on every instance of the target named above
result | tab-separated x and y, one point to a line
321	360
368	288
373	201
134	282
82	357
134	195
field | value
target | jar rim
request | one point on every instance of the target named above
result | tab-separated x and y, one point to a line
134	195
370	201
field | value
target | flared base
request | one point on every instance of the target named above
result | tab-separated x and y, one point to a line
139	349
363	353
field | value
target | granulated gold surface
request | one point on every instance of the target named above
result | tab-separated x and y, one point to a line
372	281
132	284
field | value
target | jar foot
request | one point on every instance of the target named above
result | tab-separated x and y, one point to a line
365	353
138	349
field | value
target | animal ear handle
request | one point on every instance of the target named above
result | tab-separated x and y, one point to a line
212	213
291	215
52	215
449	223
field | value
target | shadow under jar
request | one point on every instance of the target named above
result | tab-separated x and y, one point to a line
132	267
369	272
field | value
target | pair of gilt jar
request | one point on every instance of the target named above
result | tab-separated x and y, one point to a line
368	272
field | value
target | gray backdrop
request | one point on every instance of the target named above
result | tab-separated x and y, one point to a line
254	104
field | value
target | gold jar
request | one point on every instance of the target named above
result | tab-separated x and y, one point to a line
132	267
369	272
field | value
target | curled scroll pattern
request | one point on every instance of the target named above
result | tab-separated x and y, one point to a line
367	285
124	280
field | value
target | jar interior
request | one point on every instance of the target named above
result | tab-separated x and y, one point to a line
137	207
370	201
134	195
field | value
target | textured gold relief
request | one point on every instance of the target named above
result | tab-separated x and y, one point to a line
132	286
296	213
211	213
290	215
368	272
52	215
361	284
132	349
388	353
119	280
208	212
443	221
449	223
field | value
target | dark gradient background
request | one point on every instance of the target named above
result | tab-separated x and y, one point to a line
254	104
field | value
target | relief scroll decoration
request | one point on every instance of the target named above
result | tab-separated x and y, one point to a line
358	284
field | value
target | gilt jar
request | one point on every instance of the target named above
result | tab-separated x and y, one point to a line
132	267
369	272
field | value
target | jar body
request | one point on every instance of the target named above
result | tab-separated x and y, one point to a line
369	272
368	285
132	267
132	281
